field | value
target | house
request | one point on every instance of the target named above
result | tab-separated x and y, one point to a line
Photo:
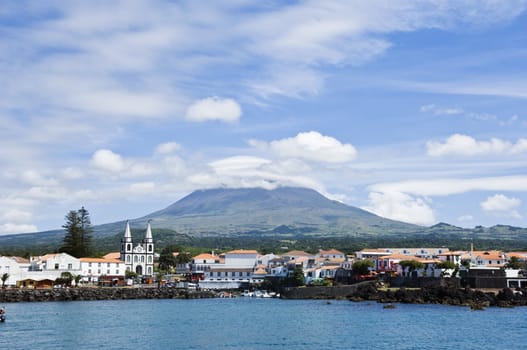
331	254
57	263
236	269
95	268
491	258
15	267
201	264
241	258
419	252
36	282
297	254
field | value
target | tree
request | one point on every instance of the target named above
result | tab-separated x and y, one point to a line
448	265
297	277
5	277
77	279
130	274
514	263
362	267
86	231
77	240
167	260
183	258
412	265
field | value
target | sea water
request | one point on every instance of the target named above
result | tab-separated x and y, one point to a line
247	323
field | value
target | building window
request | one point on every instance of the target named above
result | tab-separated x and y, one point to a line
70	266
56	266
99	264
150	248
89	264
136	258
142	258
128	258
108	265
89	271
99	271
108	271
128	247
116	272
149	259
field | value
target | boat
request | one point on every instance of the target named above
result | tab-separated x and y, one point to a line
246	293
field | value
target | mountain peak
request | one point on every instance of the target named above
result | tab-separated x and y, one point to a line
242	210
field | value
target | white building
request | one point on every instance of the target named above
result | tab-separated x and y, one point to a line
94	268
60	262
15	267
331	254
234	270
139	259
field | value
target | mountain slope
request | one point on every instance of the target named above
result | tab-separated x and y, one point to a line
300	210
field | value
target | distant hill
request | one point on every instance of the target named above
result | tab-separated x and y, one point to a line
285	211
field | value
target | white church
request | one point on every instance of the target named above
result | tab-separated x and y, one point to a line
139	259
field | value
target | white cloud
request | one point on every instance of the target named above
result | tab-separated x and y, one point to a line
314	146
10	228
465	218
16	215
142	188
464	145
294	82
34	178
446	187
502	205
72	173
402	207
107	160
249	171
167	148
15	220
214	108
441	110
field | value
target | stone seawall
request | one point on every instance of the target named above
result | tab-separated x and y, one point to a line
446	295
335	292
115	293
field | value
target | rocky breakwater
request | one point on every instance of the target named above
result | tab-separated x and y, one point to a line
445	295
77	294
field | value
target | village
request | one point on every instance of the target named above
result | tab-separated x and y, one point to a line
137	265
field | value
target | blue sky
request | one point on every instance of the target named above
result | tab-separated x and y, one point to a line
414	110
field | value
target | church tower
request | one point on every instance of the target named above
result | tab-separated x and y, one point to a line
139	259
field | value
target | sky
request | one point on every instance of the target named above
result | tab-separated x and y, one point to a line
413	110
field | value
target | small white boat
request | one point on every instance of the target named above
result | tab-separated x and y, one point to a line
246	293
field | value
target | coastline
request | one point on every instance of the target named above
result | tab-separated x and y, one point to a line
104	293
364	291
444	295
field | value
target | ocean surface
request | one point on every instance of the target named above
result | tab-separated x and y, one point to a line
244	323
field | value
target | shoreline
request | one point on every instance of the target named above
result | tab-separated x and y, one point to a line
365	291
442	295
101	293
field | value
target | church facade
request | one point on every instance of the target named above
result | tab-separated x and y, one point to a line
138	258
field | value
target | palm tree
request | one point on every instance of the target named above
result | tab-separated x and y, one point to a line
4	278
77	279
